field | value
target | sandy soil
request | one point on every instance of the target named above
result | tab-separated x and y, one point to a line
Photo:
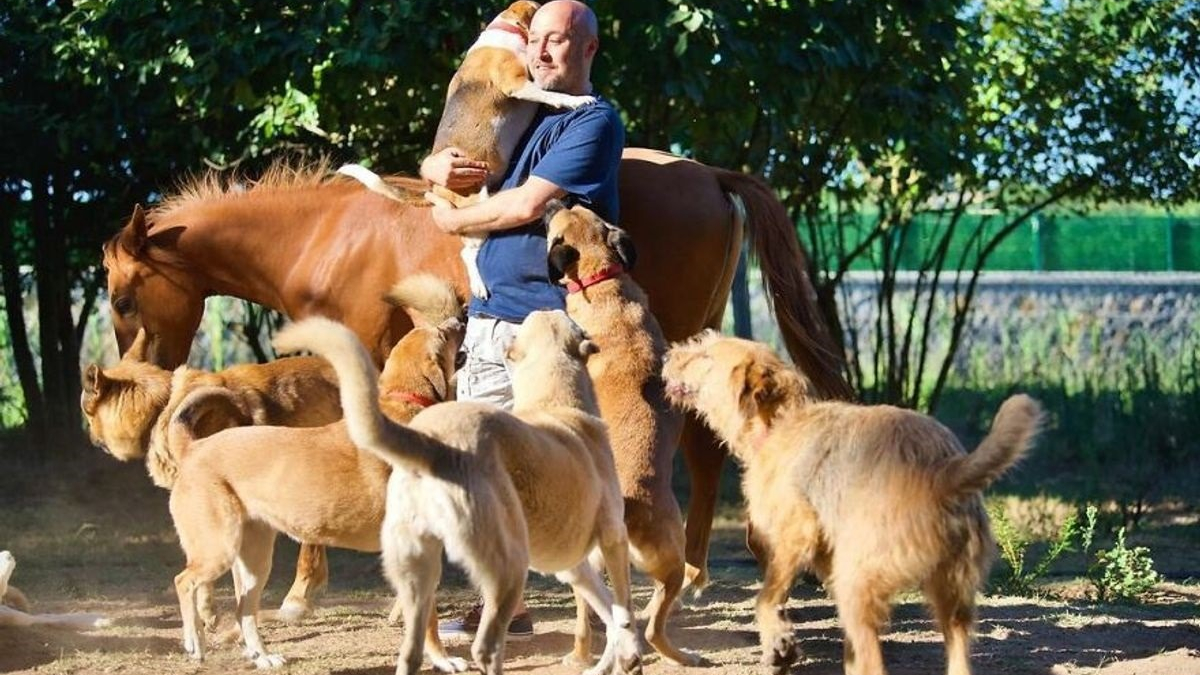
106	549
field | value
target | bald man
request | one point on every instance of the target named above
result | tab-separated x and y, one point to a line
570	155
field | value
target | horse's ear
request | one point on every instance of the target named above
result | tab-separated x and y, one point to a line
622	244
135	237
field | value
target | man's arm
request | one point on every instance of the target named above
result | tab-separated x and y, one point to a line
504	210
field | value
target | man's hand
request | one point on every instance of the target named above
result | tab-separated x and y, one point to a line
452	169
442	212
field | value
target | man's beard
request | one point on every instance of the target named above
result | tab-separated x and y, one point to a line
552	81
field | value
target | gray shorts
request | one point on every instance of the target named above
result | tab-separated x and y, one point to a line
486	374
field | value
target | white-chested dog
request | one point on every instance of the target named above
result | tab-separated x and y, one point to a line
14	607
494	490
490	102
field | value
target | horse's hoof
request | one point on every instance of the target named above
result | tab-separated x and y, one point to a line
574	660
687	659
293	610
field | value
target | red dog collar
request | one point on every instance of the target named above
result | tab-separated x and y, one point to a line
410	397
507	27
611	272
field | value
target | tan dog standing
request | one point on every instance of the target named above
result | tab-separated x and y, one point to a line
490	103
129	407
496	491
591	257
238	488
873	499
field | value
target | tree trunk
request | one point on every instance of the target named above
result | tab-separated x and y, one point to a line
10	279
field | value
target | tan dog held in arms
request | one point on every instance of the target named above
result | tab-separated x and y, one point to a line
591	257
129	408
14	607
496	491
238	488
873	499
490	102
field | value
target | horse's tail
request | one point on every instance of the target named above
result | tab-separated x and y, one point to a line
373	181
368	427
789	290
431	298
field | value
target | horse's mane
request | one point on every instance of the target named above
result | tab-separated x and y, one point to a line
214	184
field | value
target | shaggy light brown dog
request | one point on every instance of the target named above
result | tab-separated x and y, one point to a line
591	257
14	607
497	492
873	499
130	407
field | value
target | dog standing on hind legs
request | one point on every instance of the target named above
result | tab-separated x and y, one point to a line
591	258
873	499
490	102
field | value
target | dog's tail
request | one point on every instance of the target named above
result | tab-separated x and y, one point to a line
1013	430
368	427
372	180
430	297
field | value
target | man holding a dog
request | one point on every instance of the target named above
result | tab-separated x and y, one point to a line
572	155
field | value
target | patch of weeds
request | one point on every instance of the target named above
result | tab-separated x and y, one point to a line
1013	543
1120	573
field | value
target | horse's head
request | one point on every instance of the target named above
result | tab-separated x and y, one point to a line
147	288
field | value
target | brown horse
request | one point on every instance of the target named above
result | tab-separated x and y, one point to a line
303	243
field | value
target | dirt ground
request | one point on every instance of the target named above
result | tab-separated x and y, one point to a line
102	542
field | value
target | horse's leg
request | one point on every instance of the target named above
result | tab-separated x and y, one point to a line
704	457
312	573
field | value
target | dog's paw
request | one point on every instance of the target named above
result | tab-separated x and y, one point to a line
450	664
264	661
573	102
480	291
631	665
782	652
192	648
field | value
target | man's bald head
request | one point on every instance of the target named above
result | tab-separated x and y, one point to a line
578	16
562	43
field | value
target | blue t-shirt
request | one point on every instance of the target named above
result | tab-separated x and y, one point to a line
577	150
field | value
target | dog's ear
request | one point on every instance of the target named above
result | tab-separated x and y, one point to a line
138	348
587	348
621	243
552	208
94	384
560	259
514	353
766	388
